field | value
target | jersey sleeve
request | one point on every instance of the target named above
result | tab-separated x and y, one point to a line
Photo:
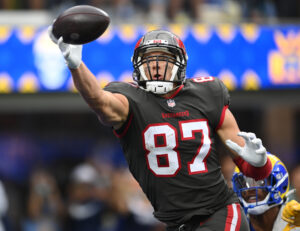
116	87
225	99
221	99
225	93
124	89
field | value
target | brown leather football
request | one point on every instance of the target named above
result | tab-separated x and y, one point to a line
80	24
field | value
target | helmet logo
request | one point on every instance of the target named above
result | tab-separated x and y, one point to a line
180	43
154	41
138	43
171	103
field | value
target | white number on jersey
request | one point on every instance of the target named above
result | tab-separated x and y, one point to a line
167	150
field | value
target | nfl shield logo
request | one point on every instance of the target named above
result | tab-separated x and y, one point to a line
171	103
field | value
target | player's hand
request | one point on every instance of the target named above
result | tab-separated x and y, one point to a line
291	214
289	227
72	53
253	151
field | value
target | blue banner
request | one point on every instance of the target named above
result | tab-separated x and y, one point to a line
246	56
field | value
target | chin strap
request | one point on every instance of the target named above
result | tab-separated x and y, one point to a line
260	209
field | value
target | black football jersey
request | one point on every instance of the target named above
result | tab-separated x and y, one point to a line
170	147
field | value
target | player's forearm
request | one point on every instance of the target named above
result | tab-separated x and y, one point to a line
88	86
86	83
112	109
84	80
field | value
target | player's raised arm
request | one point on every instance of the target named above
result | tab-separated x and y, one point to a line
248	152
229	131
112	109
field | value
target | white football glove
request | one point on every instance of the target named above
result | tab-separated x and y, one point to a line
72	53
253	152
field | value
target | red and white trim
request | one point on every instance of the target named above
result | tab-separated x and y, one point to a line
233	220
222	117
175	93
127	124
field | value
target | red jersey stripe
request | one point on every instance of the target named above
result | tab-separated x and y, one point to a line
222	117
233	220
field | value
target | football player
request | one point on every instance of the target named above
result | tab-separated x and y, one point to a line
266	201
167	126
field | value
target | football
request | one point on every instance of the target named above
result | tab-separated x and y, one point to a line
80	24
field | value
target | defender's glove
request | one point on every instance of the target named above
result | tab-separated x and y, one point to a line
253	152
289	227
72	53
291	214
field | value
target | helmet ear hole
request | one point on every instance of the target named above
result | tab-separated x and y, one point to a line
271	180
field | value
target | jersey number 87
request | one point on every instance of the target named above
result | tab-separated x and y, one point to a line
168	149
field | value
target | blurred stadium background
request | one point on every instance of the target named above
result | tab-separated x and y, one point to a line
61	169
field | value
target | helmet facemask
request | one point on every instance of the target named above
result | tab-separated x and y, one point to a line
159	67
259	196
254	195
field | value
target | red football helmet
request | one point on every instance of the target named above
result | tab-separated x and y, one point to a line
173	53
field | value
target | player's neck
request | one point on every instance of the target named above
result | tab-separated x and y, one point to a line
168	95
265	221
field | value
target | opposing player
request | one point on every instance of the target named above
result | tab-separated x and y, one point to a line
266	201
167	126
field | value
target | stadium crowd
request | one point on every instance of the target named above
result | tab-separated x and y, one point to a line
183	11
91	193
